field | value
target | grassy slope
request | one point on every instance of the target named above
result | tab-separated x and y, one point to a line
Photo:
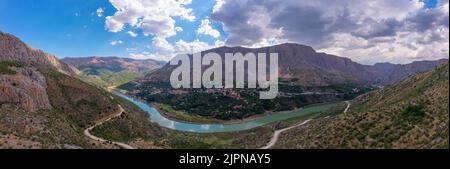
410	114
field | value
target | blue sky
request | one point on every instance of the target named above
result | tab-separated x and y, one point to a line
72	27
399	31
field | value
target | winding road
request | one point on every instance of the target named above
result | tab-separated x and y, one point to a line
277	133
88	134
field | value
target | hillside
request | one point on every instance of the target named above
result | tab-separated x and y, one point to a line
306	77
412	113
112	71
41	106
309	68
13	49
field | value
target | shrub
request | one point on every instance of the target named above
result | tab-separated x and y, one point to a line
414	113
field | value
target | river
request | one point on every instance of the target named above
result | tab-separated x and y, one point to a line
156	117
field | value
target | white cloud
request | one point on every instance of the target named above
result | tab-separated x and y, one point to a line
146	55
267	42
405	47
132	34
182	46
206	29
116	42
154	17
367	31
218	5
99	12
163	50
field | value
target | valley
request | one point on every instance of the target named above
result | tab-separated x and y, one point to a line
112	71
324	101
337	79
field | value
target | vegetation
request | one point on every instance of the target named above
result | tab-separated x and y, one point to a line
410	114
106	78
228	104
414	113
171	113
76	105
5	67
133	127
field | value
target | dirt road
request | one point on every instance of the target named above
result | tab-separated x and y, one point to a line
88	134
277	133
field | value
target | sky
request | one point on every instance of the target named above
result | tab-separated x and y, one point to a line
368	32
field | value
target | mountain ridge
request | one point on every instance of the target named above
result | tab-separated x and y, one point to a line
45	104
108	61
13	49
112	70
317	68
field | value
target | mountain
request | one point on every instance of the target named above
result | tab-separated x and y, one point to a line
113	63
13	49
43	103
112	71
391	73
310	68
306	77
412	113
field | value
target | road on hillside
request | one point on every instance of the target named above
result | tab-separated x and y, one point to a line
277	133
117	114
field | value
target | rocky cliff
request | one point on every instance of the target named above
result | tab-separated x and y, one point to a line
26	88
20	81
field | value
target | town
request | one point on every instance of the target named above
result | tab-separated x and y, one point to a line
235	63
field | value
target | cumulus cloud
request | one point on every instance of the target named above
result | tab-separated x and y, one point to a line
165	51
154	17
182	46
206	29
150	55
366	31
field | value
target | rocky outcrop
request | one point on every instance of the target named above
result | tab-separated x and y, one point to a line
27	89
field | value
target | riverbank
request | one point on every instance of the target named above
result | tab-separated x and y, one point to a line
181	116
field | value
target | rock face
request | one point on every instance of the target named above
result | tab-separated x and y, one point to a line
13	49
26	88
